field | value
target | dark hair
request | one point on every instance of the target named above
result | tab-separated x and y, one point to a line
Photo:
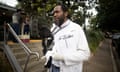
63	6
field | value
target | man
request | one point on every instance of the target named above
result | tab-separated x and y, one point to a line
17	20
16	23
70	48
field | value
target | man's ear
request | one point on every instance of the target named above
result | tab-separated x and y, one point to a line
66	14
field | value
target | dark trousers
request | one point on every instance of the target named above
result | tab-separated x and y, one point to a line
26	29
55	69
16	28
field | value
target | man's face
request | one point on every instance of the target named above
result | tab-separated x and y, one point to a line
59	15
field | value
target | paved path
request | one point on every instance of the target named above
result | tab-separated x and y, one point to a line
102	60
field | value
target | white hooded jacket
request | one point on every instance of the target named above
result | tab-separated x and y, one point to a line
71	43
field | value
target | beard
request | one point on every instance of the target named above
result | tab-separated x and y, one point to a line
59	21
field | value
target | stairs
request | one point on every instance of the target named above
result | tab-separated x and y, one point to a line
34	65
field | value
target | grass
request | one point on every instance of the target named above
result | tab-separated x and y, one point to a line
94	38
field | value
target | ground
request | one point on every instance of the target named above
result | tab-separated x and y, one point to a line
4	63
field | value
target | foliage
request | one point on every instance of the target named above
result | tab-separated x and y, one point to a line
94	38
44	8
93	23
78	18
109	13
38	8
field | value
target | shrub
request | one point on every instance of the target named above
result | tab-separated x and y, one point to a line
94	38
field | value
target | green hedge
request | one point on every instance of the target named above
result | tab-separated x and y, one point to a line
94	38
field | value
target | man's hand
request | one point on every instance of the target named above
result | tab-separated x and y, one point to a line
49	56
57	56
48	59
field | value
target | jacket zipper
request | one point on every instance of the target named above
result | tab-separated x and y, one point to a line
66	43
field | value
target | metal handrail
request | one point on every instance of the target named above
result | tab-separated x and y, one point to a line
27	50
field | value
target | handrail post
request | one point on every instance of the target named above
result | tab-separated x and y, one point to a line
26	63
27	50
5	39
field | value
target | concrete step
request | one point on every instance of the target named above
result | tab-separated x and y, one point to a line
36	47
23	60
20	55
34	65
18	49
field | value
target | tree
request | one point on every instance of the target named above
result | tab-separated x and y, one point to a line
42	10
109	13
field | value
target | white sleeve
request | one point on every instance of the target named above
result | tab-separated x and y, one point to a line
82	51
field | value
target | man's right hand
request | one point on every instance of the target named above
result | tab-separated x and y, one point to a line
48	59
